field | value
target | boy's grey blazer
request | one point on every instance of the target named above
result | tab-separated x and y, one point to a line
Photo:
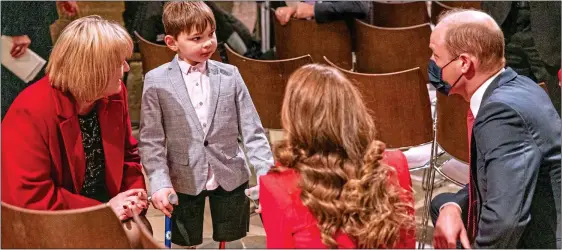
176	150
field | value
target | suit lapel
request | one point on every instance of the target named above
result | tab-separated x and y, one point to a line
110	115
72	137
214	82
502	78
175	75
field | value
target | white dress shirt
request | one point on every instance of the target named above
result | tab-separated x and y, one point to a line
196	79
475	101
476	98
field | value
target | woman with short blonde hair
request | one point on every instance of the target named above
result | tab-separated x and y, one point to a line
95	43
66	140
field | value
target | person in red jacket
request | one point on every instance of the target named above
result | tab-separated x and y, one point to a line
66	140
334	185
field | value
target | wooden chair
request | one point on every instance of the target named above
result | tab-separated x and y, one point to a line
154	55
385	50
93	227
146	238
301	37
452	137
266	81
400	105
452	131
399	14
439	7
543	86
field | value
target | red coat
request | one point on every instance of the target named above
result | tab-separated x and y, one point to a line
290	224
43	161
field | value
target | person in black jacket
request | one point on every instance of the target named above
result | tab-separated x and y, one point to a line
31	32
532	39
324	12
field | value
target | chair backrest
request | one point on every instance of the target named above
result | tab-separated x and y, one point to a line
266	81
452	132
385	50
400	105
154	55
146	239
543	86
439	7
301	37
399	14
93	227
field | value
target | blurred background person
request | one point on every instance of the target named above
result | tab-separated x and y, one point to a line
532	39
28	32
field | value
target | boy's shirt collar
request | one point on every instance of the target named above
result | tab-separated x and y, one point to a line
186	68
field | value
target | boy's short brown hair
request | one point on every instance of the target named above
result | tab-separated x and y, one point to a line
187	16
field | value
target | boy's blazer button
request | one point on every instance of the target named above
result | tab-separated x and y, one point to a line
206	143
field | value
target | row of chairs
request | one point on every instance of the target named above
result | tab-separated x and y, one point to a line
396	40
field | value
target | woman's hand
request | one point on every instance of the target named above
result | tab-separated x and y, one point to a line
161	202
129	203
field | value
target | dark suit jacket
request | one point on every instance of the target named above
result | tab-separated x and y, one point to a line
545	25
43	160
515	163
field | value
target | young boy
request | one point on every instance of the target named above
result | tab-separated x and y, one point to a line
195	111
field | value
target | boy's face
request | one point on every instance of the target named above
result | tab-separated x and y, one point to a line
194	47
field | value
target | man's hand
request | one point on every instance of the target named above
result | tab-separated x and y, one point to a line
304	11
284	14
19	46
449	228
160	201
298	11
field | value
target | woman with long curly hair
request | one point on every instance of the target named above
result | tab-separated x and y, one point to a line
334	185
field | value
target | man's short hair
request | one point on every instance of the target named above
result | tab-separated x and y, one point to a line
484	40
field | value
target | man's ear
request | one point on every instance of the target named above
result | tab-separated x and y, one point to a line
467	62
171	43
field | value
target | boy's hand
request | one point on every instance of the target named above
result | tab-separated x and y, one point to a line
253	192
160	201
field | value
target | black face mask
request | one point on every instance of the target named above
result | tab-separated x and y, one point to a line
436	78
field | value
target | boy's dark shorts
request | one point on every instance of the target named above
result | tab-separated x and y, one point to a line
230	213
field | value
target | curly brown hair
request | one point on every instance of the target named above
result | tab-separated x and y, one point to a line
330	142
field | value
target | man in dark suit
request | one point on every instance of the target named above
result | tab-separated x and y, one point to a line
532	38
513	197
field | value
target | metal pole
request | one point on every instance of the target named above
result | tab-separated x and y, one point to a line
267	26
